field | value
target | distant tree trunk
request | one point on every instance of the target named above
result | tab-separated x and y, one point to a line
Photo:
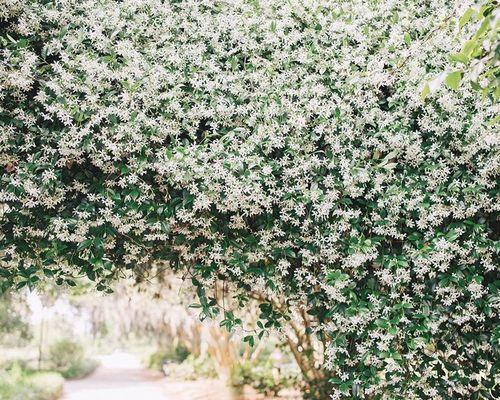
222	350
40	343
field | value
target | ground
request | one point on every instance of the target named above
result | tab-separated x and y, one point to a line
121	377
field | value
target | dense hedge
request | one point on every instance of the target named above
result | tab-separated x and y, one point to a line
281	146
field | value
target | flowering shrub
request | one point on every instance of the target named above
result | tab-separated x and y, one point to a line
282	147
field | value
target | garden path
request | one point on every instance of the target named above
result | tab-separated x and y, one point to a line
121	377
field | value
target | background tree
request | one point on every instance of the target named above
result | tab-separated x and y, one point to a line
14	328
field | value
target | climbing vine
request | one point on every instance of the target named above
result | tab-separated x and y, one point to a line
281	149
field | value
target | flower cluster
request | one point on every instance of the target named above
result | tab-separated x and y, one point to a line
282	146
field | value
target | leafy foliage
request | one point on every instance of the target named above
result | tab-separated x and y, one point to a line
481	52
159	358
265	378
68	358
191	368
478	59
278	147
16	384
13	327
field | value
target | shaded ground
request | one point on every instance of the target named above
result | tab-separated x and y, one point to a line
121	377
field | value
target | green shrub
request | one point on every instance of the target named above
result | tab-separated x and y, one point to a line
64	353
160	357
18	384
48	384
80	368
68	358
14	363
265	378
191	368
240	374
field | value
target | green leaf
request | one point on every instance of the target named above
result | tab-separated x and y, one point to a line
250	339
21	284
48	273
407	38
83	245
484	26
465	18
134	194
453	79
459	57
425	92
91	274
469	47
